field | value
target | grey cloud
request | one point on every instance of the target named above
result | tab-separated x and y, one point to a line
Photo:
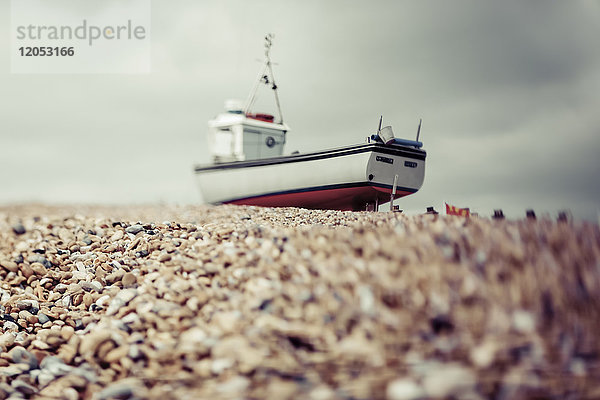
508	91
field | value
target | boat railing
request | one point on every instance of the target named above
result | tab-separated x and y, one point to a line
398	142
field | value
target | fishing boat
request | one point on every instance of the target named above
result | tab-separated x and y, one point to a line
249	166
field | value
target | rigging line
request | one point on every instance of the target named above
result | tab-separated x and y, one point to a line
275	90
252	97
267	65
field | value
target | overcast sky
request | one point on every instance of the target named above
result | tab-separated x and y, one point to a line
509	93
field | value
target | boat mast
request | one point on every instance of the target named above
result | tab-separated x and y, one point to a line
266	79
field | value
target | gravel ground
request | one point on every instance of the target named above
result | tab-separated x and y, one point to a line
247	302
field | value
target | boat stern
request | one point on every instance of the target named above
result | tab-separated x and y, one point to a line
399	166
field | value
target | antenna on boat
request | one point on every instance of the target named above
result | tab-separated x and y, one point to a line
419	129
266	76
380	121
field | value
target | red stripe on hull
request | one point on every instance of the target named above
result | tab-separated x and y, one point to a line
344	199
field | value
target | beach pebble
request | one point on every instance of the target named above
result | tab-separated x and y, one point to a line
42	318
233	386
523	321
404	389
20	355
7	339
448	380
19	229
128	279
23	387
118	235
483	355
124	389
164	257
133	229
14	369
250	302
26	270
10	266
121	299
10	326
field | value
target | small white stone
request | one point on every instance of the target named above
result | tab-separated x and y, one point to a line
193	335
227	321
118	235
130	318
7	339
237	384
577	367
96	285
66	301
367	300
121	299
404	389
39	344
322	392
221	364
523	321
70	394
44	378
483	355
448	380
103	300
10	326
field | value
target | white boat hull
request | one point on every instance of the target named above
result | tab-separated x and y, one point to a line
345	178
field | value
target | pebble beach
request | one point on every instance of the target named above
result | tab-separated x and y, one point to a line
229	302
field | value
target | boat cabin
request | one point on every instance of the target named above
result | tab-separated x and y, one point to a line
236	135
